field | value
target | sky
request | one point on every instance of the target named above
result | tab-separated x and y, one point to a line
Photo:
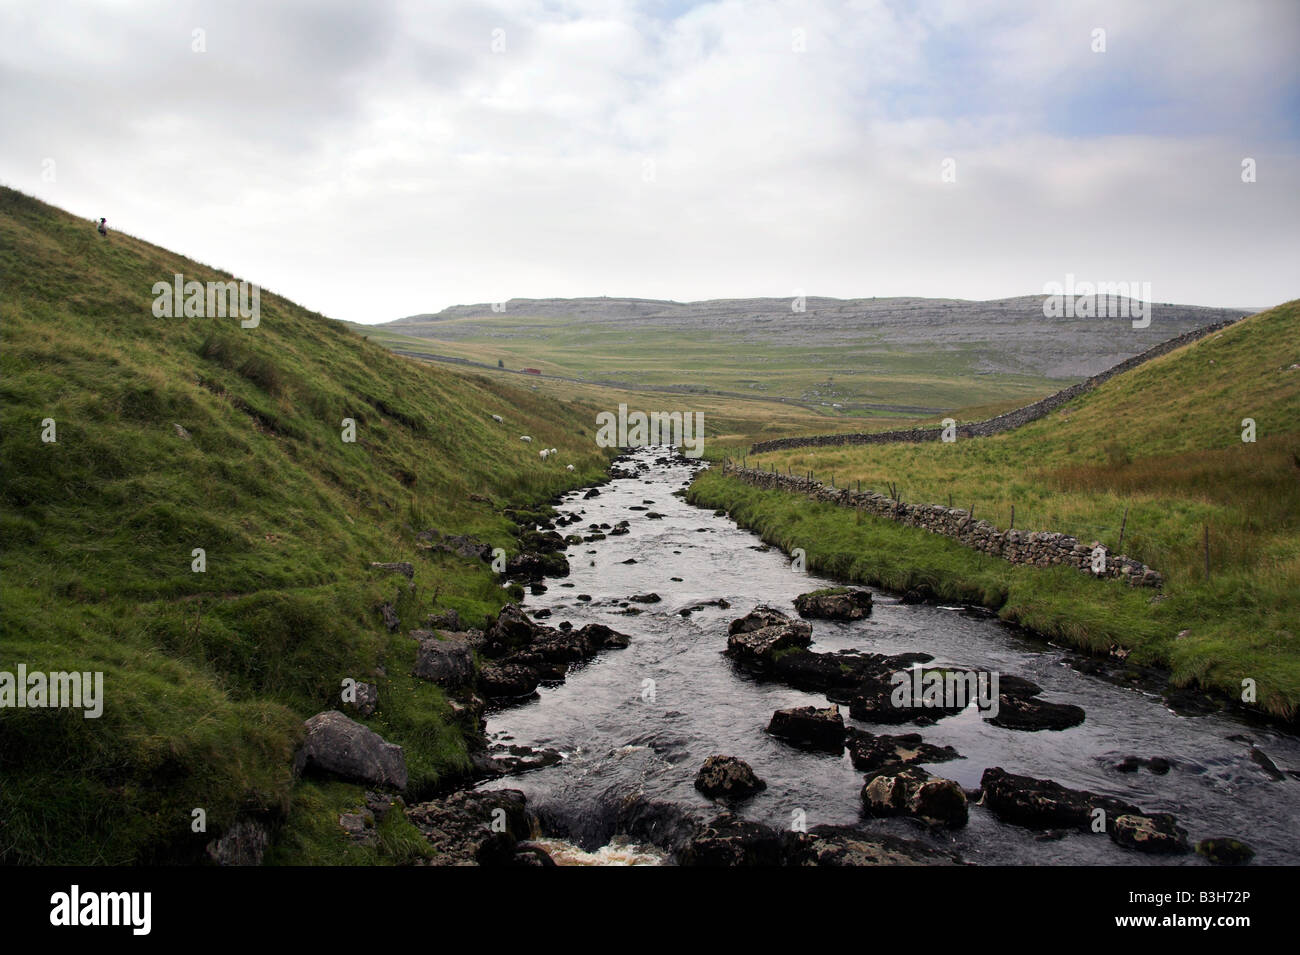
382	159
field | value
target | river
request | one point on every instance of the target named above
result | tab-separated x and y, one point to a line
644	718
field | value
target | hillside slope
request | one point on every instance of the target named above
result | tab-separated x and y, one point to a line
1156	454
179	433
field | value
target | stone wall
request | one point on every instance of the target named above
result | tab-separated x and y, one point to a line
1003	422
1033	548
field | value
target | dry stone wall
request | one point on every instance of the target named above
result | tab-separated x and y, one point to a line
1032	548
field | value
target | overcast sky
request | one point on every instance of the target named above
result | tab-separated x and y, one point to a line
377	159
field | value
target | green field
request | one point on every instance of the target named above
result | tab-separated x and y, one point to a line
208	676
1162	444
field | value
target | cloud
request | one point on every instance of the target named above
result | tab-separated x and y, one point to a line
377	160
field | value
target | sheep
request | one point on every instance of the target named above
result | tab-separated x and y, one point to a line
544	454
568	467
553	451
498	419
525	437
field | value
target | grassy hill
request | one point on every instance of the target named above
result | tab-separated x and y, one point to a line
1162	443
844	357
181	433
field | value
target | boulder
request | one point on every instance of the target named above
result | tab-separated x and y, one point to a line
443	659
366	699
810	727
339	746
757	619
850	846
911	791
731	841
835	603
1043	804
508	679
726	777
761	646
1156	832
870	752
1225	851
1031	713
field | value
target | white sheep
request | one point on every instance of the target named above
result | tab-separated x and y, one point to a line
525	437
544	454
498	419
553	451
568	467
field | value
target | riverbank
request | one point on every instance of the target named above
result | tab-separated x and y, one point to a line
1104	617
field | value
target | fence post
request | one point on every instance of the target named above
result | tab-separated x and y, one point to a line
1013	518
1122	524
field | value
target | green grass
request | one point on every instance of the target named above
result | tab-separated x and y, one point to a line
208	676
1161	443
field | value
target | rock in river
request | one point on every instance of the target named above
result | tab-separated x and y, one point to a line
810	727
834	603
911	791
726	777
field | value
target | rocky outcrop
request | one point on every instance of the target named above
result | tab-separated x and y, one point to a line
726	777
911	791
244	843
520	653
478	827
1031	713
758	619
810	727
836	603
339	746
443	658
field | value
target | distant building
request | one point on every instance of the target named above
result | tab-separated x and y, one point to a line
531	371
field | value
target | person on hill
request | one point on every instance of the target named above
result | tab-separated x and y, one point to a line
103	230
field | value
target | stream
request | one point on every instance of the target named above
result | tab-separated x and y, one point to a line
643	719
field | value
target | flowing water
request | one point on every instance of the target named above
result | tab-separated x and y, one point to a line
644	718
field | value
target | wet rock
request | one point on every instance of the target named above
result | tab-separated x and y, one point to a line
760	646
1156	832
512	760
850	846
339	746
444	659
532	854
508	680
474	827
650	598
810	727
531	565
911	791
511	629
1260	759
1225	851
726	777
1031	713
870	752
836	603
876	703
730	841
1043	804
758	619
